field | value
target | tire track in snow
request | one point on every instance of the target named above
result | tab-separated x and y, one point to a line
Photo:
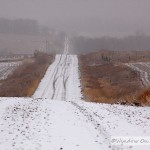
59	78
52	76
93	119
58	83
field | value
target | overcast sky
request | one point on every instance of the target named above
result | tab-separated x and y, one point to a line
89	17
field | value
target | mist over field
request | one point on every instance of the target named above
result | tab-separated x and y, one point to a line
88	17
92	19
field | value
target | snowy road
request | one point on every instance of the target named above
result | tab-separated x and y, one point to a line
56	118
62	82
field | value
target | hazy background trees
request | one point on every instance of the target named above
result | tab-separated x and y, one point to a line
22	26
85	44
27	35
30	35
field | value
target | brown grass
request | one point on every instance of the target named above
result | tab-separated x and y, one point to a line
108	82
25	79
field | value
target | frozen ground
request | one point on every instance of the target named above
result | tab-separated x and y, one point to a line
56	118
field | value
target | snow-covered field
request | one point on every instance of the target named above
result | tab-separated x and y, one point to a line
56	118
143	68
7	68
11	58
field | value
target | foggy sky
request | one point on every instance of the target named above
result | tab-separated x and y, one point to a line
88	17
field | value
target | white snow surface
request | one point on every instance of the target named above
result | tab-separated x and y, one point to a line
56	118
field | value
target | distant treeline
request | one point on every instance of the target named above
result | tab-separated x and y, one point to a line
22	26
84	44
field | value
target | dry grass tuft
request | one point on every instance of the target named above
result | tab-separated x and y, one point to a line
144	98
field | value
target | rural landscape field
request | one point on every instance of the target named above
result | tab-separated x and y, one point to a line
74	75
